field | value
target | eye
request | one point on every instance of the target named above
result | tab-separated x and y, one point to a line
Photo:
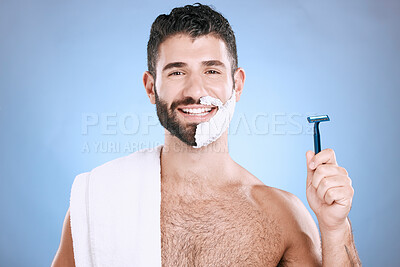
176	73
212	72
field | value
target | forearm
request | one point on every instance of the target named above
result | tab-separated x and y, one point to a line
338	247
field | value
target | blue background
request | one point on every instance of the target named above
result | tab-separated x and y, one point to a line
64	64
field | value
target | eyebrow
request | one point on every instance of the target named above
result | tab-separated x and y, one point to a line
210	63
174	65
207	63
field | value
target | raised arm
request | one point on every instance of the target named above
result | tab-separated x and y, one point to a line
338	247
330	194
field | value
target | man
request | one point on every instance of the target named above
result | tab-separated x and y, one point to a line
212	211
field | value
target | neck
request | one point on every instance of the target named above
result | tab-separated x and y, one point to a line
182	164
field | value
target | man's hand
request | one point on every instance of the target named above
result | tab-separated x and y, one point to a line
329	190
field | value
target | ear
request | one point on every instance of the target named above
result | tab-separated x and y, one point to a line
148	82
239	78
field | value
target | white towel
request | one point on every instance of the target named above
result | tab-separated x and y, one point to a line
115	212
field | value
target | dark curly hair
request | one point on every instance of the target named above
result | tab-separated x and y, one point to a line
194	20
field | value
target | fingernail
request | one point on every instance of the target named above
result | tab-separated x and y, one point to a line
312	165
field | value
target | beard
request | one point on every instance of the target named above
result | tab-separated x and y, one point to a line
168	117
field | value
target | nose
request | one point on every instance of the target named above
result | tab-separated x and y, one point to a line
194	87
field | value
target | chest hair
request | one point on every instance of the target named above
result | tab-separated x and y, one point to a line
226	230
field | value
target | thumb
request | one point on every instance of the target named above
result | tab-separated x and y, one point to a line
310	172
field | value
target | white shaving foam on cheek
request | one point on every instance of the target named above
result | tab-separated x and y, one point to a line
209	131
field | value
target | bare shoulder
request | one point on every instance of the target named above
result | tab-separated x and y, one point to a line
300	232
286	206
65	253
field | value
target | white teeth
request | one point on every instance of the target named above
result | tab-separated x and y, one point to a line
197	111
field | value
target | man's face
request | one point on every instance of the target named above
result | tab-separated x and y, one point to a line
186	70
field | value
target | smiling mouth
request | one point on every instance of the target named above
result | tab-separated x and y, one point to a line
196	111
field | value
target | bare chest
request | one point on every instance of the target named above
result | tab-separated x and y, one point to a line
218	232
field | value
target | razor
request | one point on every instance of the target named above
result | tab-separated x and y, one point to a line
316	120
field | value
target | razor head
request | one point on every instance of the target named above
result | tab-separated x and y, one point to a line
318	118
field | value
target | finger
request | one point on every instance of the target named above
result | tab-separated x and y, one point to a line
310	172
324	171
326	156
340	195
331	182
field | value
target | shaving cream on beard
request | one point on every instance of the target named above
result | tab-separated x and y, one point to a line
209	131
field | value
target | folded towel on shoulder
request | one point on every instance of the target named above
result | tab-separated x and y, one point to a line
115	212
